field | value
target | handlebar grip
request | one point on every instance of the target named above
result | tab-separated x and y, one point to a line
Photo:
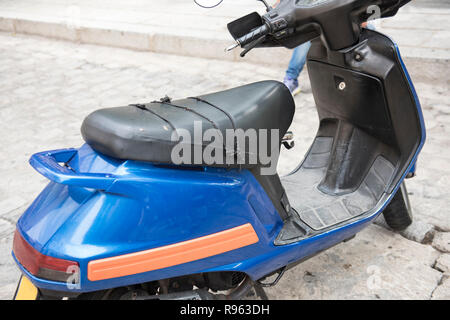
254	35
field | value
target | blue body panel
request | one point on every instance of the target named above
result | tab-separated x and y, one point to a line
101	207
413	166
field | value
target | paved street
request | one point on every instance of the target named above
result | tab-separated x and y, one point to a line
47	87
422	28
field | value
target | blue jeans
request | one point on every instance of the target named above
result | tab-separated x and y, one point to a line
298	60
370	26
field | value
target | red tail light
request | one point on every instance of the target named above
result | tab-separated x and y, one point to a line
40	265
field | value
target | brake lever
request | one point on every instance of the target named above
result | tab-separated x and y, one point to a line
252	46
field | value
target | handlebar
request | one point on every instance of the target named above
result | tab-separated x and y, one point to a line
254	38
293	22
253	35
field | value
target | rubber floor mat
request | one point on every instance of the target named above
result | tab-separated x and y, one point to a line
320	210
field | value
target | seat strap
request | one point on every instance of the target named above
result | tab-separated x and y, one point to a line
144	107
166	102
218	108
236	145
188	110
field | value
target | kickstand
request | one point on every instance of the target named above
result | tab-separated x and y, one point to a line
280	275
260	292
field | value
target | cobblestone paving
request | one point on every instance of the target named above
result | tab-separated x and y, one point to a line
47	88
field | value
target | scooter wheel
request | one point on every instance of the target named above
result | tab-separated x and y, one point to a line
398	213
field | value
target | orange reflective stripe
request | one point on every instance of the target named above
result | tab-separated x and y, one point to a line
172	255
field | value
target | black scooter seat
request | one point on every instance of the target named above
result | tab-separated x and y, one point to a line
148	132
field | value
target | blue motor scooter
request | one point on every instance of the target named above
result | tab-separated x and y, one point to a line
122	218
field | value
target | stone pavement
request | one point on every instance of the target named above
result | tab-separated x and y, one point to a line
422	28
47	87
